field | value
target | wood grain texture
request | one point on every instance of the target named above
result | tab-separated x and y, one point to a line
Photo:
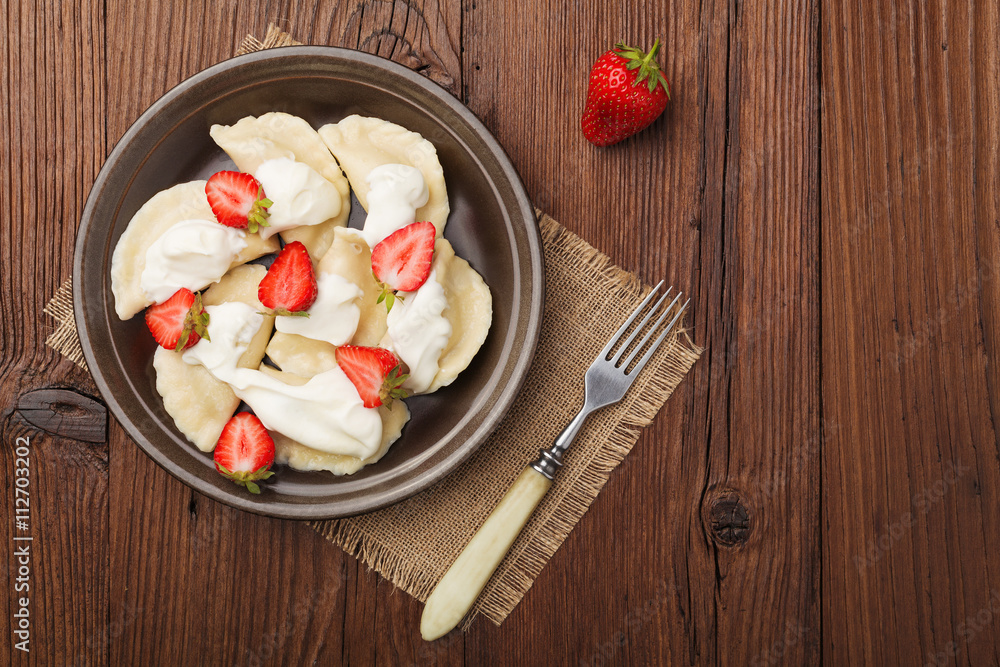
910	237
52	77
721	201
811	493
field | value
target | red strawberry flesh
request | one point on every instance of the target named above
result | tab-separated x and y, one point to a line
245	451
290	284
179	322
402	261
374	371
238	200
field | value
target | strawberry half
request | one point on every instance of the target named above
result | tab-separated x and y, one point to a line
245	451
627	91
375	373
289	288
238	200
179	322
402	261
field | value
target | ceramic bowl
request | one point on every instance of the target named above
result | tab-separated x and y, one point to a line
492	225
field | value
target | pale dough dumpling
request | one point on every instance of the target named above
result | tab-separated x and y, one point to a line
200	404
241	284
351	258
469	310
252	141
302	356
360	144
165	209
300	457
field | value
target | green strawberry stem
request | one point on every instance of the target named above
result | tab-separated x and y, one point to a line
652	52
649	69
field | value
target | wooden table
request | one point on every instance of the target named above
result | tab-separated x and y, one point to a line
823	487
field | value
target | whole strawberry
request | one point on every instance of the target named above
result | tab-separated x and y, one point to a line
627	92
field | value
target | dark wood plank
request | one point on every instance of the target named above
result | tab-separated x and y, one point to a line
52	70
719	197
910	459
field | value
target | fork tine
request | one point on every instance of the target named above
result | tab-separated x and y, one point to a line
642	325
652	349
652	330
631	318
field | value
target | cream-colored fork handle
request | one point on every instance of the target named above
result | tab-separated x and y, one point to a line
464	581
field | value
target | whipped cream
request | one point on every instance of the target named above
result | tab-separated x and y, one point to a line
192	254
326	413
397	191
333	317
419	332
300	194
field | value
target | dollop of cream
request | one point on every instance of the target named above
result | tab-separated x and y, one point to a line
300	194
419	332
333	317
326	413
397	191
192	254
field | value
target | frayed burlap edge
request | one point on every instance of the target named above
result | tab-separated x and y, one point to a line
65	339
273	39
577	486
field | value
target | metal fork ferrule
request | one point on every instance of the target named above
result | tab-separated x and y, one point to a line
548	463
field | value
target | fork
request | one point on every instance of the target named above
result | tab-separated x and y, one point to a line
606	381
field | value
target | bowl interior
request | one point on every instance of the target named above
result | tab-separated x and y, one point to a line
491	225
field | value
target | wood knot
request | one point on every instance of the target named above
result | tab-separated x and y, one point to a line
396	30
729	519
65	413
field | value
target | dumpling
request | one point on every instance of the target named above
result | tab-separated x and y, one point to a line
351	258
468	311
253	141
300	457
241	284
165	209
302	356
360	144
199	403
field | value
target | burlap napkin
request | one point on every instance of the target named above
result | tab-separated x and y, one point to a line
413	542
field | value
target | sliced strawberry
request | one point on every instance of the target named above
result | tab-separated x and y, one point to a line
290	284
238	200
179	322
245	451
402	261
375	373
